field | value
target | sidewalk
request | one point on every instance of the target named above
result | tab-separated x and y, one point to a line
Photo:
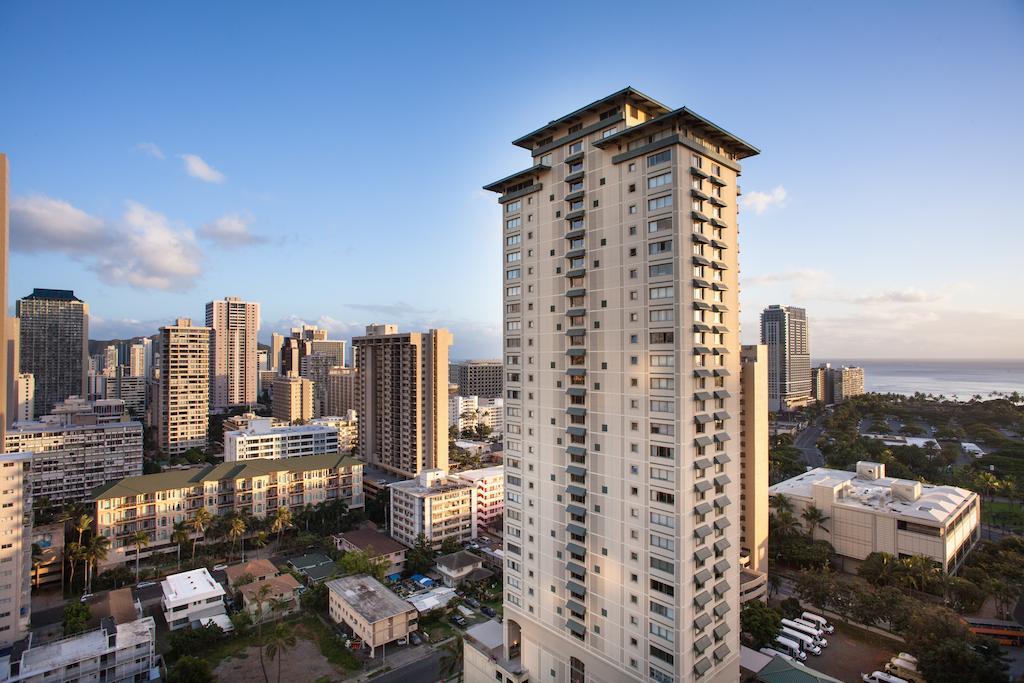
398	657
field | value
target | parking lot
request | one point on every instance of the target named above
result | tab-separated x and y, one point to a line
851	652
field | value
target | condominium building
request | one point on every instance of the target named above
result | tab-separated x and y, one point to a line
469	412
193	598
834	385
10	334
435	505
341	390
489	491
184	395
110	361
234	325
784	331
16	549
306	341
76	452
621	387
112	653
316	367
753	472
477	377
140	359
373	613
868	512
293	399
154	503
263	440
132	390
50	539
238	423
24	397
347	426
54	344
402	398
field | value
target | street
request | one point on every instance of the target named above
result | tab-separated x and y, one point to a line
807	441
426	670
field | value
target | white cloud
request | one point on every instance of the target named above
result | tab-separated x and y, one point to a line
230	230
795	277
760	202
143	249
41	223
909	295
151	149
197	168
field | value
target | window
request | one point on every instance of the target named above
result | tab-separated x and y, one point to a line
663	337
662	292
663	382
662	406
513	256
513	274
515	290
662	247
513	223
662	361
666	452
659	180
658	653
659	203
662	610
659	224
661	474
576	146
513	240
663	543
660	429
660	270
658	629
663	497
512	207
659	158
662	315
661	519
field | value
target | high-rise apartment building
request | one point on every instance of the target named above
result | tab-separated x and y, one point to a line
784	332
261	439
184	395
621	343
477	377
402	398
110	361
54	344
341	390
16	549
834	385
8	340
234	373
140	361
24	397
753	472
304	341
293	399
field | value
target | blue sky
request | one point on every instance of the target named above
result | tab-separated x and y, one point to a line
327	161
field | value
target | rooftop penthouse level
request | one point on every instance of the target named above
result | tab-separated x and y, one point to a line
191	596
262	439
870	512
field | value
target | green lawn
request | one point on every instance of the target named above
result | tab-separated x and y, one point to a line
331	646
1009	515
438	628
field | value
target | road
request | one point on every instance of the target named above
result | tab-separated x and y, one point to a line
426	670
807	441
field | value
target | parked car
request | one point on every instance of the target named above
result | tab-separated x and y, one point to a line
458	620
403	640
145	584
488	610
219	567
86	597
415	639
472	602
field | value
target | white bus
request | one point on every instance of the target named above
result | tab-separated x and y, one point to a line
882	677
807	628
774	653
819	621
790	648
806	642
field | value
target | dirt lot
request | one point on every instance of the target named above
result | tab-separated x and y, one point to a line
851	652
302	663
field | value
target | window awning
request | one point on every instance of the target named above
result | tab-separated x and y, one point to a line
703	395
575	607
702	531
702	577
575	490
576	529
721	566
702	508
697	237
722	502
722	523
721	609
702	554
698	282
575	627
702	419
722	415
721	545
701	599
701	306
576	470
701	261
722	372
722	437
718	286
697	172
701	372
721	588
702	440
722	480
722	458
575	549
577	510
702	666
702	621
698	216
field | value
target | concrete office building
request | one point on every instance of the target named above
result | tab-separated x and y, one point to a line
621	342
54	344
184	395
341	390
753	472
402	398
435	505
869	512
293	399
16	550
489	491
477	377
24	397
784	331
154	503
112	653
347	426
234	325
130	389
262	440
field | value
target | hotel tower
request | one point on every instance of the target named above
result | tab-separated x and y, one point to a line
621	387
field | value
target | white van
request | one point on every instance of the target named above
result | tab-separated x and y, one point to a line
808	628
819	621
881	677
774	653
907	657
806	642
904	669
790	648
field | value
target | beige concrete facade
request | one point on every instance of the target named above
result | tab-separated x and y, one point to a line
754	457
489	490
16	550
435	505
402	398
292	399
481	378
263	440
184	395
621	342
7	340
373	613
234	326
342	390
24	395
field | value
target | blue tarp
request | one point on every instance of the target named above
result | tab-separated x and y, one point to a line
422	580
394	577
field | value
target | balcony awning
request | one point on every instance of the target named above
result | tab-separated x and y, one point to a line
576	431
576	372
575	549
576	332
721	545
576	450
576	391
722	437
576	529
722	458
573	195
575	568
575	627
697	172
574	312
576	410
722	372
702	440
702	554
575	253
575	292
573	234
702	508
578	272
576	588
573	157
576	470
722	480
575	351
721	609
573	176
575	607
575	490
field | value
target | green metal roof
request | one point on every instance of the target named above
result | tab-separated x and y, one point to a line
180	479
780	670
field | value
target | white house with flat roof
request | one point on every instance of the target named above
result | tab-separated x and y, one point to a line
191	597
261	439
870	512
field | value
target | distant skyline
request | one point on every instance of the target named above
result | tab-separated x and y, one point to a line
328	163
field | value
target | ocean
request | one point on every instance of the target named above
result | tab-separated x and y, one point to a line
963	378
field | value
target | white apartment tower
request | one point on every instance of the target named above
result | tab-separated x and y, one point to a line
16	550
784	332
234	373
24	393
621	387
402	398
184	395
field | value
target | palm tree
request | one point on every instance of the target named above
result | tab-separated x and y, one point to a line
95	552
83	524
282	639
282	520
74	552
774	583
784	523
179	536
236	530
814	518
260	599
781	503
451	663
140	540
259	541
199	524
37	559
